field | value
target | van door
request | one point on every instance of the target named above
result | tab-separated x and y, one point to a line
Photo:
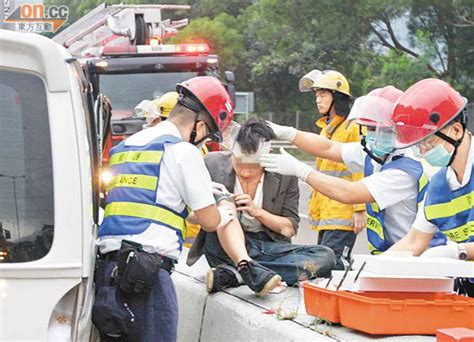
45	192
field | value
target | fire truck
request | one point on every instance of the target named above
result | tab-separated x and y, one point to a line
122	52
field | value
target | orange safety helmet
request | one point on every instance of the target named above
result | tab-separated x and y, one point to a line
375	108
209	94
424	109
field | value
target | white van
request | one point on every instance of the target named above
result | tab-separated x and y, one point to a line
48	192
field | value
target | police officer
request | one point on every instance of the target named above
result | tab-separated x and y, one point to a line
159	175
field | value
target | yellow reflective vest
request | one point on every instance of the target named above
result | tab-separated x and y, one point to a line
328	214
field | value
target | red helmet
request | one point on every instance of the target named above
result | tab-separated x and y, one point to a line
423	109
389	93
376	107
210	94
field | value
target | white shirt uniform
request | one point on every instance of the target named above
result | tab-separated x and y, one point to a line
394	190
184	181
421	223
249	223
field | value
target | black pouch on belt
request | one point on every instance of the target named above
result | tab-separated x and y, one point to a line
136	269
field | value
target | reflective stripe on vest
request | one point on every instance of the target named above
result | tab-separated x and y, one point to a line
461	233
136	157
447	209
131	202
146	211
422	187
451	211
374	224
134	181
375	216
331	222
423	182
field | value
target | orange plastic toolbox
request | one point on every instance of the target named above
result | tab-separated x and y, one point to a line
390	313
321	303
398	313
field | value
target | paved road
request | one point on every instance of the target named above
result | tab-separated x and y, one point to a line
306	236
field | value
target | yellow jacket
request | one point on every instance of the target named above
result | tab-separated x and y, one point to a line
328	214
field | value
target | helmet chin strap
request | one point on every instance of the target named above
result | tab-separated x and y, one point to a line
372	156
453	142
192	137
328	113
192	105
196	108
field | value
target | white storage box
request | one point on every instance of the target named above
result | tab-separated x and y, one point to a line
368	281
402	265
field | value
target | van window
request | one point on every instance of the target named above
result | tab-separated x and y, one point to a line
26	173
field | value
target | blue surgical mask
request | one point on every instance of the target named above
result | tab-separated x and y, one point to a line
370	138
438	156
381	146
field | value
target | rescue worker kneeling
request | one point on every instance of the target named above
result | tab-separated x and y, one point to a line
159	175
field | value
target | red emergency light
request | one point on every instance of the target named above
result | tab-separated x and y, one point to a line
192	48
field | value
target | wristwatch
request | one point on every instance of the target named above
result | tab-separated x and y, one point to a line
223	197
462	252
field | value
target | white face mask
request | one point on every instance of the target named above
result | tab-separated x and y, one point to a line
264	147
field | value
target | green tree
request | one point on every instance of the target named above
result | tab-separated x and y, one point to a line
440	35
221	33
286	39
213	8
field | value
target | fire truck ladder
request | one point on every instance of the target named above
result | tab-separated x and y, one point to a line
104	23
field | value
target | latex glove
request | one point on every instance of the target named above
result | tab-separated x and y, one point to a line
219	189
359	220
285	164
283	132
450	251
227	215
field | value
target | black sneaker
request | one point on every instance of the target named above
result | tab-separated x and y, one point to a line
260	279
221	277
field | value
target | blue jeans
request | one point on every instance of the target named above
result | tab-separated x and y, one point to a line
292	262
157	313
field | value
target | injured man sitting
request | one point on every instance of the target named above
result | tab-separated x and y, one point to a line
256	249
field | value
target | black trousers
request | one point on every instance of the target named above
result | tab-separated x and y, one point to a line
338	240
